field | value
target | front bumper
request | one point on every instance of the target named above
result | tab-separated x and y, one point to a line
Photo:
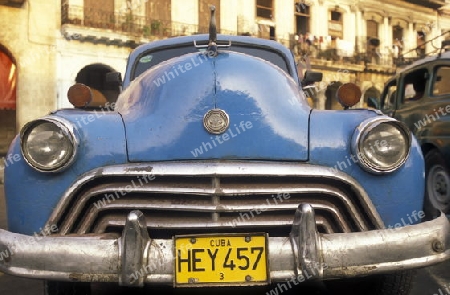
304	253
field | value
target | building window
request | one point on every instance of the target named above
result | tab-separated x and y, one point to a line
372	29
373	43
336	16
158	20
335	24
302	18
264	9
204	15
397	34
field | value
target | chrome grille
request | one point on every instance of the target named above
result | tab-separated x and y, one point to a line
213	197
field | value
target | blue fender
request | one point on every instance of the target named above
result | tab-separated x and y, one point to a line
393	194
31	195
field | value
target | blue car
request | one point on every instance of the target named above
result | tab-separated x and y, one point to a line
211	170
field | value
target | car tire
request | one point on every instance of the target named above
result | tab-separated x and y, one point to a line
66	288
399	283
437	185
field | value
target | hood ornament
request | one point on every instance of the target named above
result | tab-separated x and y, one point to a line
216	121
212	46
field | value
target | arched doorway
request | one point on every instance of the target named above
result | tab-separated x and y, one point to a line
94	76
332	103
8	81
372	92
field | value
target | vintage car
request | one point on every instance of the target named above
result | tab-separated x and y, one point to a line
419	96
212	171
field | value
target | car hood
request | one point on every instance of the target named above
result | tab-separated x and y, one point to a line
164	109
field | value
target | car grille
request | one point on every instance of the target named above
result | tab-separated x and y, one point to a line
187	198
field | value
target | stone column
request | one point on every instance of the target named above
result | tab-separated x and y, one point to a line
358	33
433	32
314	19
388	37
412	40
229	15
349	23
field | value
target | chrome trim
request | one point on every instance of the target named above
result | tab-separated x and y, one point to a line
133	243
363	130
66	127
104	258
130	204
305	242
390	250
94	258
215	170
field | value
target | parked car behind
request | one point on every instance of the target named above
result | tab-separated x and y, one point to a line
419	96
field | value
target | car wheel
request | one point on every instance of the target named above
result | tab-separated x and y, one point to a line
399	283
66	288
437	192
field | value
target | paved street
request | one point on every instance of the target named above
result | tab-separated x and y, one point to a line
429	281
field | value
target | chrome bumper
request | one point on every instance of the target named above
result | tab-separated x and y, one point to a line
304	253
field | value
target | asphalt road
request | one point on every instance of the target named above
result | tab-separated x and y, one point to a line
429	281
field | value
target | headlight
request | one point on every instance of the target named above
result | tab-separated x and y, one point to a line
48	144
381	145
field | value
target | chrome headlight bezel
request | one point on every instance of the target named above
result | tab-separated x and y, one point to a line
361	133
67	130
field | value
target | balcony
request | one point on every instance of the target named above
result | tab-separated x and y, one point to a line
332	57
365	54
104	24
124	23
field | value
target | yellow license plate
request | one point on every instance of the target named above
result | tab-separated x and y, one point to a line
239	259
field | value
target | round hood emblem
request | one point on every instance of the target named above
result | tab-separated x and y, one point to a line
216	121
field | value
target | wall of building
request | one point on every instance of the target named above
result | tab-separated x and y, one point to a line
30	38
185	11
284	18
229	15
7	130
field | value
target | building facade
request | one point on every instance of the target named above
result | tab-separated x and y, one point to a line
48	45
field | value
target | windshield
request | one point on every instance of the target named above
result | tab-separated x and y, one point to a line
152	58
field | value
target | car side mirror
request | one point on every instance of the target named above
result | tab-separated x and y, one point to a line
311	77
372	102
